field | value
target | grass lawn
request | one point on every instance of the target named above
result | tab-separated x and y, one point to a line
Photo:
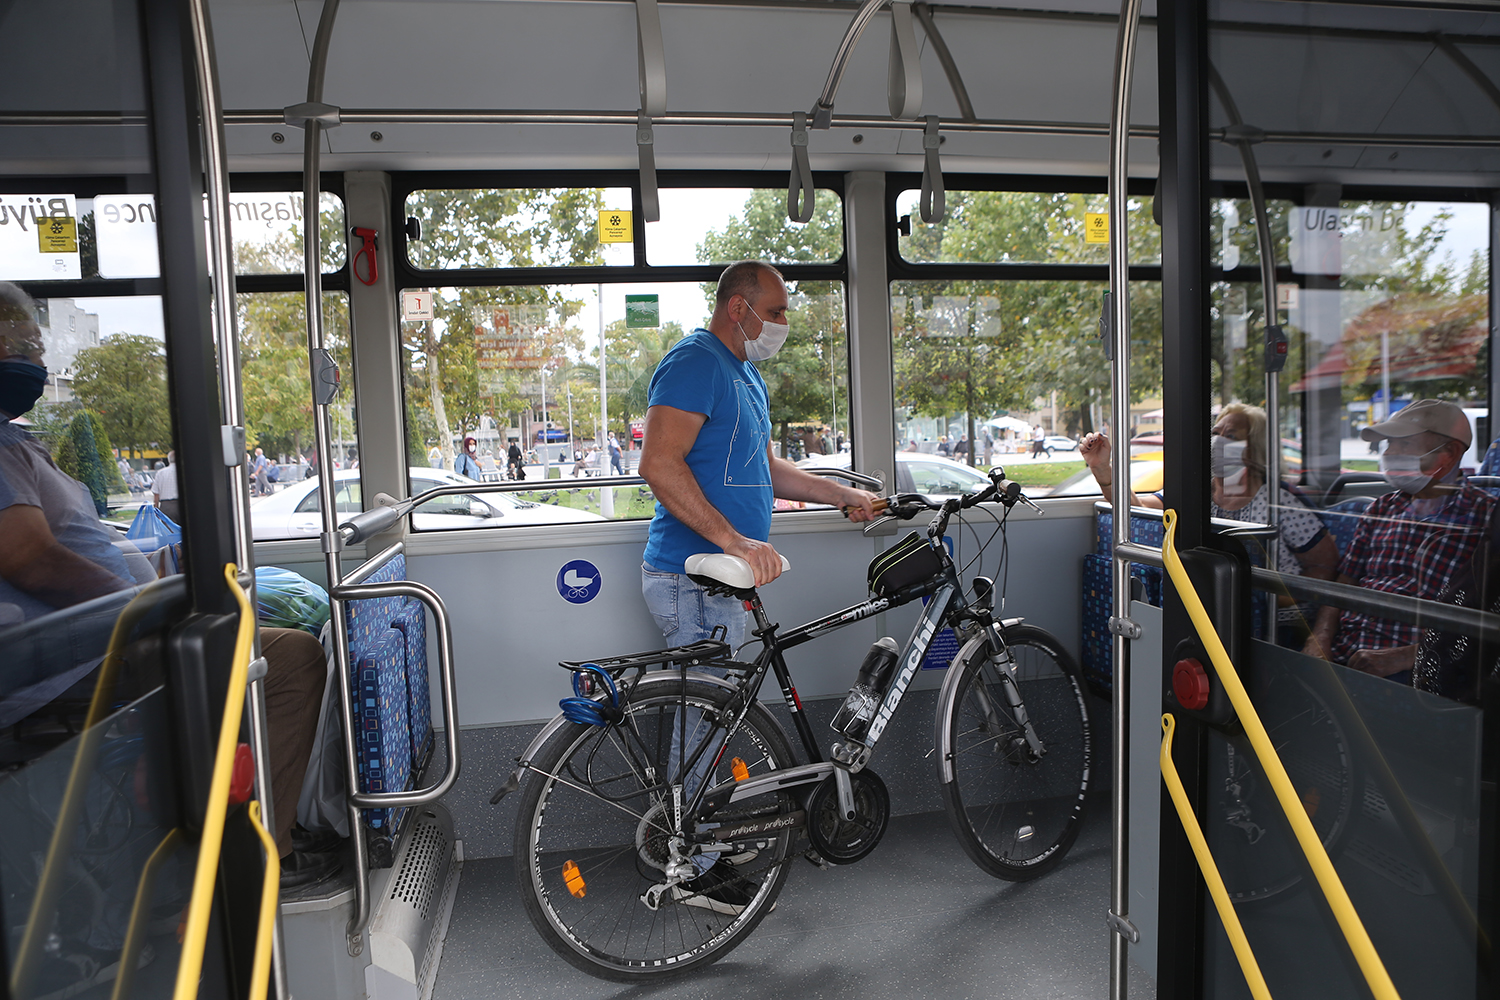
1361	465
630	501
1043	473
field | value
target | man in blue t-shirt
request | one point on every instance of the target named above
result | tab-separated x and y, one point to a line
707	456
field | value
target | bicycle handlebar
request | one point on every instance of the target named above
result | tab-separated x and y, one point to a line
905	506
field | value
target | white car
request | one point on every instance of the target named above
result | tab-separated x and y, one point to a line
294	512
1057	442
917	473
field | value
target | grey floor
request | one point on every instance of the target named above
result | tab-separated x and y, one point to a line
914	919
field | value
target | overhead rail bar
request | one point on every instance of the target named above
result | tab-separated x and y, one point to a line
1117	348
1206	864
945	59
822	112
1353	929
1244	139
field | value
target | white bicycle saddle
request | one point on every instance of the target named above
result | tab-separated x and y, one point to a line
725	568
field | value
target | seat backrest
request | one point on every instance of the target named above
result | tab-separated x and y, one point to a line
1342	520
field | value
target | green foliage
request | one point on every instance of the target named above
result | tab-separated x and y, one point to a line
274	369
124	381
808	378
85	454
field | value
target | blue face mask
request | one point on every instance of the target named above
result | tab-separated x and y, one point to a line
21	384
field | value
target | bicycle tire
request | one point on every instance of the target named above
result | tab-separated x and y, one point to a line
610	932
1317	755
1015	815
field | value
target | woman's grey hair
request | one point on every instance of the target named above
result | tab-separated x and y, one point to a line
15	305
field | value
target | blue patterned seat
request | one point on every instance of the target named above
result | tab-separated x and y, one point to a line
412	624
384	744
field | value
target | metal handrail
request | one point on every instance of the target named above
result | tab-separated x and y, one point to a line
429	597
1355	936
1117	349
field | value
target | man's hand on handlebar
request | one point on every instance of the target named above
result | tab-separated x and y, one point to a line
858	505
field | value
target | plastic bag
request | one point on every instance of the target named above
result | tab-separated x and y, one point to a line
152	530
284	599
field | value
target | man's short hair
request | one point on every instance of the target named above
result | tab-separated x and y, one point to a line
742	279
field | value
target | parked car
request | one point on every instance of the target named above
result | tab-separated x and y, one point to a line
295	512
1057	442
917	473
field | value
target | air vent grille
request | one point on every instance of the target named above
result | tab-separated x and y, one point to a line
415	883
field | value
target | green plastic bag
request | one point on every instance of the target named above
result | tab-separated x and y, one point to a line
285	599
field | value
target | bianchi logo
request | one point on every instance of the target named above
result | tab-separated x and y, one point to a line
908	671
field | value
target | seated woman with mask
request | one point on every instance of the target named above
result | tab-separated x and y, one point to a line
1240	493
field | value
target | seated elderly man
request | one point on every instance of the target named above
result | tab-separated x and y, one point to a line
1410	541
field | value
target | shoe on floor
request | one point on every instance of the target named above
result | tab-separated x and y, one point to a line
302	868
716	889
78	968
315	841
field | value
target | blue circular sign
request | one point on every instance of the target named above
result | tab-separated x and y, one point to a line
578	581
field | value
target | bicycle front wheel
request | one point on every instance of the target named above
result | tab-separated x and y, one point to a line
593	830
1016	808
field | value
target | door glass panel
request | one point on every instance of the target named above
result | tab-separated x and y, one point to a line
1023	227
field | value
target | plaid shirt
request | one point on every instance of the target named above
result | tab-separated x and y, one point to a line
1397	555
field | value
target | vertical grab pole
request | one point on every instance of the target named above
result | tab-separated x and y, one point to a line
312	269
1121	930
1245	139
231	402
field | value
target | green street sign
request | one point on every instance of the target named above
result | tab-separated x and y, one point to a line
642	312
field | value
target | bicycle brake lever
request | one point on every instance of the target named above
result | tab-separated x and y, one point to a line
1032	504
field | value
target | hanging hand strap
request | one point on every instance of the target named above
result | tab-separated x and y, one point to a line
801	174
934	203
904	87
645	145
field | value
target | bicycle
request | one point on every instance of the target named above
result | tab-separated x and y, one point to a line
612	821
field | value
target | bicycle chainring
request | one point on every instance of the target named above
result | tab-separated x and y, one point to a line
841	841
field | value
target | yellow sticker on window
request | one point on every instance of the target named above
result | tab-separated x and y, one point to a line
1096	227
614	226
57	234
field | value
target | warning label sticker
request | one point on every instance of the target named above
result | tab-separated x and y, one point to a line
1096	227
614	226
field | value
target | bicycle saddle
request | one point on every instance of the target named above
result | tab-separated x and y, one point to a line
732	571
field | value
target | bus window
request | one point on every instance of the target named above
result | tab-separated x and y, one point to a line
718	225
516	227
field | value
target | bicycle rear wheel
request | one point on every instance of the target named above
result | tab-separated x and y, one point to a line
1016	813
596	815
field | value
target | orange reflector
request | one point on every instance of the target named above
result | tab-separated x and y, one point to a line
738	769
1311	799
574	878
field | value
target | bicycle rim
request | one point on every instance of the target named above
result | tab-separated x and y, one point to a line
1017	814
593	806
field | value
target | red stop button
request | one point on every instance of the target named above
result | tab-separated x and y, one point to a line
242	776
1190	684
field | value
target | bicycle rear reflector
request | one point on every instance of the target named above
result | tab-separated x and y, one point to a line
738	768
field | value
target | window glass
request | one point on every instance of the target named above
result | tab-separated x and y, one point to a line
520	366
106	365
521	227
994	362
716	225
279	431
118	233
1023	227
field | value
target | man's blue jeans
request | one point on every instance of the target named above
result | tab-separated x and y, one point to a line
686	613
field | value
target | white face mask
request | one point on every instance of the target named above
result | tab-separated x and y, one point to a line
772	336
1405	471
1227	462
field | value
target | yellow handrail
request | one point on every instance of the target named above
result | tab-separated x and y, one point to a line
1248	965
135	933
260	970
39	920
191	965
1353	928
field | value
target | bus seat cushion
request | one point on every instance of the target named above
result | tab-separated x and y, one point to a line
382	722
412	624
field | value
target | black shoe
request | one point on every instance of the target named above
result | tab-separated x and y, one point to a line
78	967
315	841
717	890
306	868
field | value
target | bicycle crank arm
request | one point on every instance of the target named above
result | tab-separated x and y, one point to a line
775	781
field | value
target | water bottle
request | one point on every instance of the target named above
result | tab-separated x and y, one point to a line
854	715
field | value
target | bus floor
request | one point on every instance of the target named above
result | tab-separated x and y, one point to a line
916	919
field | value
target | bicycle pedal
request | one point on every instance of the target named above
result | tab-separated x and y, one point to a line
815	859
